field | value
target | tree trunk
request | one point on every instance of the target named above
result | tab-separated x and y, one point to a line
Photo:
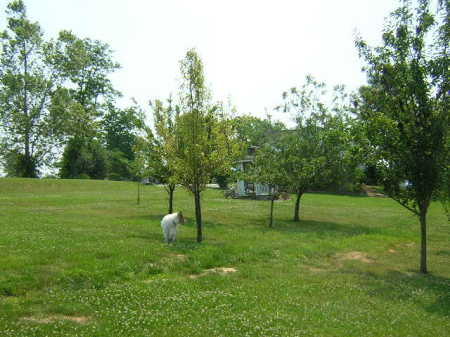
170	191
271	211
138	193
297	206
26	164
198	215
423	237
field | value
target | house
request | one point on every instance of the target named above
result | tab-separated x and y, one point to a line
248	189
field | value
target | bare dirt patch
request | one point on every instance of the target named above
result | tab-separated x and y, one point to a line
174	258
218	270
315	269
359	256
54	318
180	257
223	270
155	280
392	251
9	299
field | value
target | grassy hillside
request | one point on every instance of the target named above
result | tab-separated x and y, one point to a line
81	258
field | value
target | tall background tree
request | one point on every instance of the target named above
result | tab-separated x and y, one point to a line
86	65
120	129
27	81
85	103
404	107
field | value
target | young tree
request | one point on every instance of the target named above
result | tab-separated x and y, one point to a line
405	106
27	81
317	153
204	149
268	168
166	146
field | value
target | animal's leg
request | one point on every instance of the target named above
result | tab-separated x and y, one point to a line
173	234
166	235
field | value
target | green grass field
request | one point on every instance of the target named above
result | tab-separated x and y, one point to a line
81	258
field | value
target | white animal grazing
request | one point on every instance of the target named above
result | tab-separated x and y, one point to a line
169	226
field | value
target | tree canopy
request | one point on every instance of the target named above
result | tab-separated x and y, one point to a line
27	81
404	107
205	147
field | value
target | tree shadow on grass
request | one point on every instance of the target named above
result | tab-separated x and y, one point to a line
346	194
322	229
411	286
443	252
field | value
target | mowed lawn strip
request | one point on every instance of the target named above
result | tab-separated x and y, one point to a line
80	257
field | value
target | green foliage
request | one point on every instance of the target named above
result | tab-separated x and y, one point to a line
87	94
254	131
165	146
222	181
70	118
205	148
405	106
121	128
119	166
17	165
78	107
27	81
443	193
83	158
317	154
165	141
86	65
204	134
266	167
144	155
49	91
320	150
194	126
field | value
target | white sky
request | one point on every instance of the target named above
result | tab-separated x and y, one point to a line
252	50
